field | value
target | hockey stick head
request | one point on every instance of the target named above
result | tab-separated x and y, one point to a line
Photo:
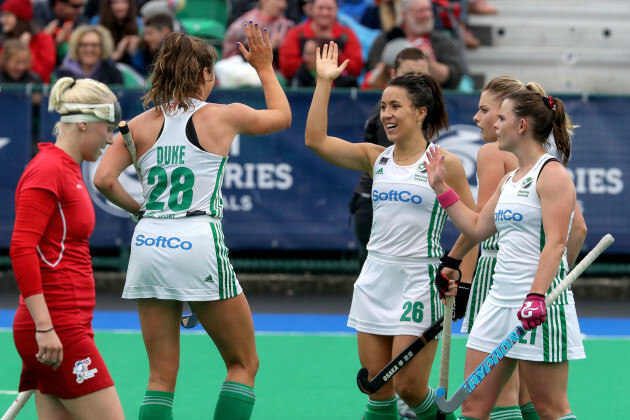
448	406
190	321
363	383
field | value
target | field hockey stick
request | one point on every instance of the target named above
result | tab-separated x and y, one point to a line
445	355
370	387
190	320
17	405
131	146
482	371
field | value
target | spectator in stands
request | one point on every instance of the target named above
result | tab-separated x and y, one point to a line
306	76
408	61
16	19
446	60
269	14
161	7
15	63
89	56
121	18
321	24
156	29
238	8
59	18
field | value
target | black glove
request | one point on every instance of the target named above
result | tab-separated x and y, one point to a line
461	300
440	280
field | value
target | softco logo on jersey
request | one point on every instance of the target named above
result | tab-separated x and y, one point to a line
392	195
163	242
507	215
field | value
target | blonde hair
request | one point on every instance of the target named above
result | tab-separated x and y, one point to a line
83	91
107	42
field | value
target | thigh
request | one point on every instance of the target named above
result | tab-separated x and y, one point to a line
547	386
411	383
375	351
102	405
230	325
160	325
480	402
50	407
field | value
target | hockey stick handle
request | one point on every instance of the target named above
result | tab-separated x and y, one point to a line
604	243
17	405
482	371
446	342
130	145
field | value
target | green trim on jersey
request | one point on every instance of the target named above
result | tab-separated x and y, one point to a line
482	282
216	202
491	244
227	278
555	335
434	233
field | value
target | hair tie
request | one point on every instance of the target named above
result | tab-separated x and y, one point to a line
74	82
549	102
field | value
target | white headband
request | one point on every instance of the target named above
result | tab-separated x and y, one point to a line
92	112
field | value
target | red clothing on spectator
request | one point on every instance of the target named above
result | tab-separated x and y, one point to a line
49	247
43	55
290	53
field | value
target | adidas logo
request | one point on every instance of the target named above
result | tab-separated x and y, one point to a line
208	279
379	172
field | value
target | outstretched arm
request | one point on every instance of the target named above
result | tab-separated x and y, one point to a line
358	156
476	226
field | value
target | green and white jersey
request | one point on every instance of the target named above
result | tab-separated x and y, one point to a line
178	178
407	221
518	218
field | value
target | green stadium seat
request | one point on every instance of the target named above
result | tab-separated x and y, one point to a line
205	18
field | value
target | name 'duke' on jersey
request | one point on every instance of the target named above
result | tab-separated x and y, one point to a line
171	155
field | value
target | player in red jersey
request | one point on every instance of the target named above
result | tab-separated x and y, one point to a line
51	260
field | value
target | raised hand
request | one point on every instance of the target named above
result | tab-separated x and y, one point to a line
435	169
260	53
326	62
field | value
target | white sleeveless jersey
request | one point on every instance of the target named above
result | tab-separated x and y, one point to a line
178	178
407	221
518	218
492	243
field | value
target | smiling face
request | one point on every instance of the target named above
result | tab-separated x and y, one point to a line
8	21
18	64
487	116
95	138
90	49
398	114
418	18
324	13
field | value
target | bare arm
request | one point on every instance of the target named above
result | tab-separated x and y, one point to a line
476	226
557	199
277	116
464	247
114	161
358	156
576	236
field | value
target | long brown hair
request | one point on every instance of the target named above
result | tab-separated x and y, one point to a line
545	114
177	69
128	25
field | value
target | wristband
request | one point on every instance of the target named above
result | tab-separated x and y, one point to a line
450	262
45	331
448	198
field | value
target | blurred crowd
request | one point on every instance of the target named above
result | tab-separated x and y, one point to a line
115	41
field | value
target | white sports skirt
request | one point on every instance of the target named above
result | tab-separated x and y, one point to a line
395	296
180	259
556	340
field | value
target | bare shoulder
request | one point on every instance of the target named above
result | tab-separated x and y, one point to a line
554	176
145	128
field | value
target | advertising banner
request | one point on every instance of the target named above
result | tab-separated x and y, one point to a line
278	194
